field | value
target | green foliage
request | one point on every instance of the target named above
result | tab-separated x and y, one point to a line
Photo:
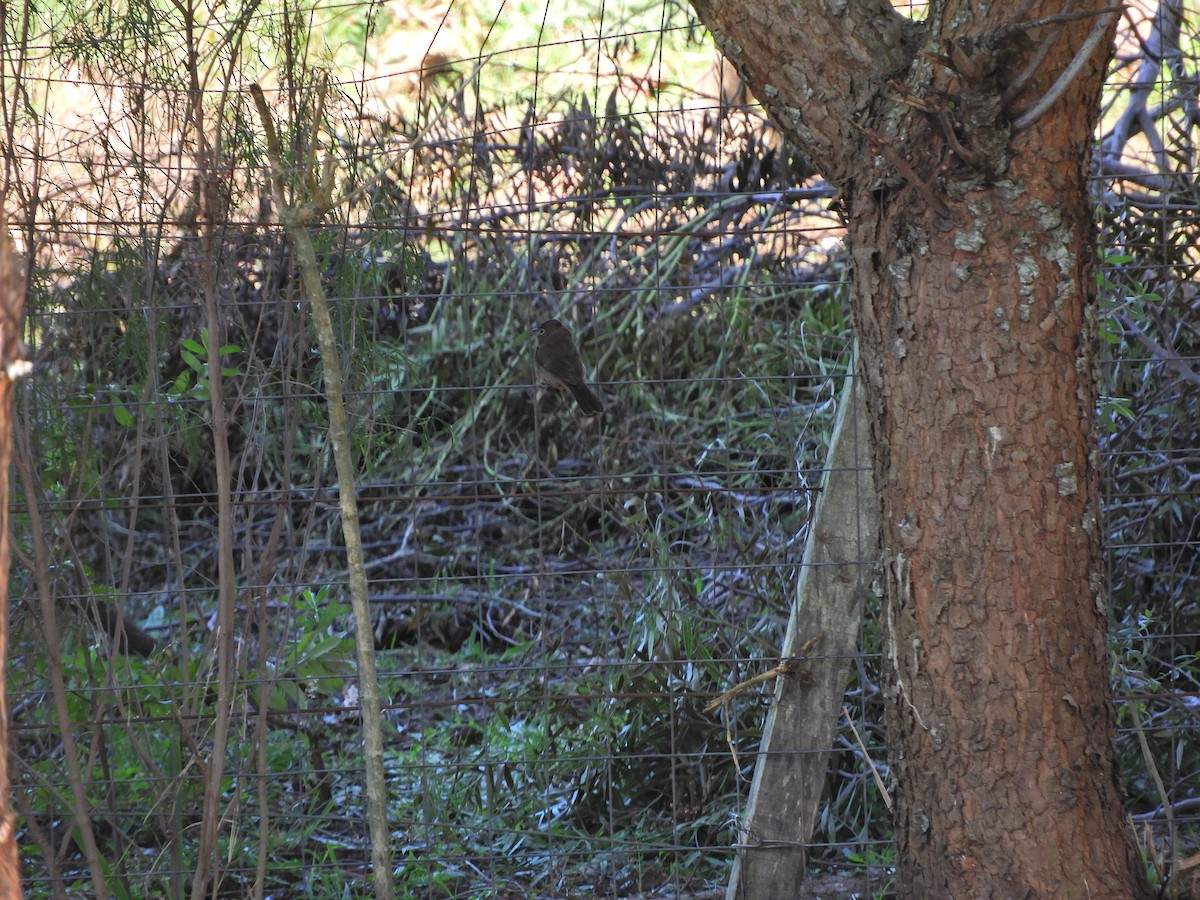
346	36
318	656
137	742
195	381
1146	434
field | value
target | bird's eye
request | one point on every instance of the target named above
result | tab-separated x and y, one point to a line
541	331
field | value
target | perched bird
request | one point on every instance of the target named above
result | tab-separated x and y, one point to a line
557	364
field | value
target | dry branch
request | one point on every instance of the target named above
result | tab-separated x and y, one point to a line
296	216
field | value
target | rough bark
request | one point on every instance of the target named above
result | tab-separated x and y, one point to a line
960	148
12	365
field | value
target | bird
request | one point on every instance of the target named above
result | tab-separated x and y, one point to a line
557	363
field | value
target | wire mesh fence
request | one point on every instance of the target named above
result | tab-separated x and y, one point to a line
556	598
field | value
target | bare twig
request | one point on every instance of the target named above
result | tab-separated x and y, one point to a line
1062	18
1015	86
209	197
1163	41
910	175
1152	767
81	809
315	200
1167	355
883	791
1068	75
786	667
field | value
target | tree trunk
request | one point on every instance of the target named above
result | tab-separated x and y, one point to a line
12	365
960	146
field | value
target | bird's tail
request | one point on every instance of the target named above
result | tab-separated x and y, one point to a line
588	402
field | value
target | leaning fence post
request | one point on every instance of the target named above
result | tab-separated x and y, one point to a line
834	578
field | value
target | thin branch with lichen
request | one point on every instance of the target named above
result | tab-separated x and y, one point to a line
295	216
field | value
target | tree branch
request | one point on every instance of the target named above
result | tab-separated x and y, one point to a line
314	200
837	72
1069	74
